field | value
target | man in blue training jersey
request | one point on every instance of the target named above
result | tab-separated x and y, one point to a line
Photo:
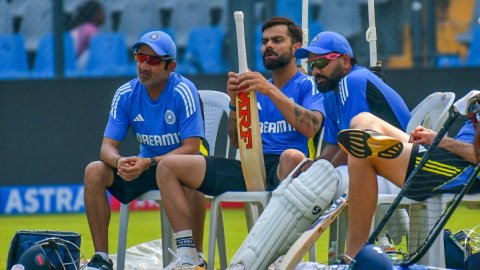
290	112
349	90
365	142
163	110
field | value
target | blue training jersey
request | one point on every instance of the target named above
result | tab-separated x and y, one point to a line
160	125
466	133
362	91
277	134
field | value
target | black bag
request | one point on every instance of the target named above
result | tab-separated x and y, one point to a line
62	248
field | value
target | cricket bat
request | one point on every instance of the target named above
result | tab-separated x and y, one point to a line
298	250
249	137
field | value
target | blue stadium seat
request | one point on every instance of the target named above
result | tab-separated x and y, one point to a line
449	60
258	49
108	56
204	49
13	57
44	65
473	58
313	29
289	8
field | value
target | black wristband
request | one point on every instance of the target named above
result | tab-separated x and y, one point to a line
231	107
153	161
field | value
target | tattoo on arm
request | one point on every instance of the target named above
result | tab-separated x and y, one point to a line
306	117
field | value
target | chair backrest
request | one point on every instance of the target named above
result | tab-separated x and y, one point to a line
215	105
108	55
44	65
431	112
13	56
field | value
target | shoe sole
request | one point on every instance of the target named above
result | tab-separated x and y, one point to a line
361	144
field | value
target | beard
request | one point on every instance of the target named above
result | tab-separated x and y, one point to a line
281	61
331	82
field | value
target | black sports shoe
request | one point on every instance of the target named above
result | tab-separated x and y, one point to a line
368	143
98	263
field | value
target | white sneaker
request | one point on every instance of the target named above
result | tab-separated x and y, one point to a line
176	263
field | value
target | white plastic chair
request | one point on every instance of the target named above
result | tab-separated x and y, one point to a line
255	203
215	105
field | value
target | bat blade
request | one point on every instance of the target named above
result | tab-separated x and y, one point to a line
248	126
298	250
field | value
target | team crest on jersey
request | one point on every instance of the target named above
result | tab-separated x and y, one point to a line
170	117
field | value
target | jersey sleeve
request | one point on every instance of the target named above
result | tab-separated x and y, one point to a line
331	128
118	124
188	104
466	133
342	106
312	98
354	98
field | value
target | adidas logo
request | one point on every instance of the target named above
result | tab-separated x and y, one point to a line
139	118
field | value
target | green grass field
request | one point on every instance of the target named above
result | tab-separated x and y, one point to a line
145	226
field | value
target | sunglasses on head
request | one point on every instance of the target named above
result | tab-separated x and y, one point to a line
322	60
152	60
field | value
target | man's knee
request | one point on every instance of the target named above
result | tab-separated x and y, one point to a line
164	169
289	159
97	172
361	120
291	156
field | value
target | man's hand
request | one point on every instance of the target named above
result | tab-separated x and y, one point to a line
421	135
248	81
130	168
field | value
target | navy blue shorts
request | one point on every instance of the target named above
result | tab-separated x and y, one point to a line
127	191
224	175
442	173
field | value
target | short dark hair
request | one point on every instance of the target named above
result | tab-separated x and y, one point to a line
294	31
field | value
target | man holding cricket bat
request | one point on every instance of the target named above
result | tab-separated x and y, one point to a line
290	112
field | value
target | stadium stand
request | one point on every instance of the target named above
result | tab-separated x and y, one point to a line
458	18
108	56
473	58
44	65
6	20
138	17
204	49
13	57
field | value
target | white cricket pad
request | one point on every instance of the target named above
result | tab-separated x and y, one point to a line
295	204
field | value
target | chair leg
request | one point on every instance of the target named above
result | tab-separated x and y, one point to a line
312	253
252	212
222	249
122	236
212	236
338	232
435	255
167	236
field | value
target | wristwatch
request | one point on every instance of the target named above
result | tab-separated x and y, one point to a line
153	161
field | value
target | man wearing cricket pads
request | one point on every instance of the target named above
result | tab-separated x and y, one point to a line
349	89
290	112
